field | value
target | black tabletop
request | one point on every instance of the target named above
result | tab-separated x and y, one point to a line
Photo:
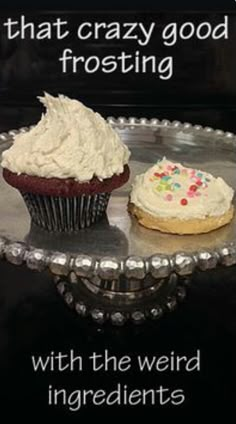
34	320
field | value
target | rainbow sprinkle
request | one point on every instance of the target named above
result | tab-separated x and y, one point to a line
165	183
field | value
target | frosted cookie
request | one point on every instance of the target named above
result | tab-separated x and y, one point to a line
175	199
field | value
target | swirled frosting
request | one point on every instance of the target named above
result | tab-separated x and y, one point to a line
70	141
170	190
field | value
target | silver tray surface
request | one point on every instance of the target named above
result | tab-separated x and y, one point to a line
119	237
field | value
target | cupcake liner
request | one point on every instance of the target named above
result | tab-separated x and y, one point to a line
66	214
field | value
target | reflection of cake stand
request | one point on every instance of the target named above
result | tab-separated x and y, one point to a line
95	241
117	270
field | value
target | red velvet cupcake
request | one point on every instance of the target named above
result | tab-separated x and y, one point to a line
67	166
65	205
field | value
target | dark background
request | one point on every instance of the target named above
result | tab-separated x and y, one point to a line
202	89
33	318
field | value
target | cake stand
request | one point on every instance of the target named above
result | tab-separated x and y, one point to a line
117	271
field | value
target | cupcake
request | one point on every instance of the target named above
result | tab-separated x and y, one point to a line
175	199
67	165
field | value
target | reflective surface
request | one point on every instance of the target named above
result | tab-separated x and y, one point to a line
118	234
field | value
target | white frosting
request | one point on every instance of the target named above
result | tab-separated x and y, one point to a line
70	141
170	196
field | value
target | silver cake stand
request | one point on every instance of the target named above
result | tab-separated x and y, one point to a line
116	270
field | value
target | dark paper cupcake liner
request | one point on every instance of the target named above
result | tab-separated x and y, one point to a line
66	214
